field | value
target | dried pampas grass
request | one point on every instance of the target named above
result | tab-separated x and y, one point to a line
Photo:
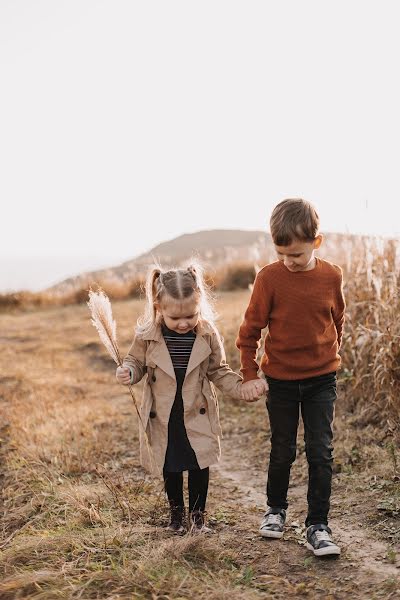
102	319
100	308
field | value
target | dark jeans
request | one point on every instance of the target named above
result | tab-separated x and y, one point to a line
315	397
197	484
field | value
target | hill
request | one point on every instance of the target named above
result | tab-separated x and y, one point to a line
213	247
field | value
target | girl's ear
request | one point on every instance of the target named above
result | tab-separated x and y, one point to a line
318	241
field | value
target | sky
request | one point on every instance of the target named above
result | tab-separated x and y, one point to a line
125	123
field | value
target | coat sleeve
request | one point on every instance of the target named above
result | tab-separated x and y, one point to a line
135	360
220	373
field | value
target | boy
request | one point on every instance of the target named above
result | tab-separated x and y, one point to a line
300	299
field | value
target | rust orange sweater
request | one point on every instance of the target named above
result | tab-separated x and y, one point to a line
304	312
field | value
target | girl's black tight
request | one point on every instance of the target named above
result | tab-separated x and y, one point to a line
197	484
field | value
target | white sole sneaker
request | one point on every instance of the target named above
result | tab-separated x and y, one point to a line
267	533
328	550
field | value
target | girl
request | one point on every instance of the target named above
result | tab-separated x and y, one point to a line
180	352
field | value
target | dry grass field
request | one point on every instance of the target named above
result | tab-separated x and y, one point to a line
80	519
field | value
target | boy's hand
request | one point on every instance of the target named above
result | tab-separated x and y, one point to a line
123	375
254	389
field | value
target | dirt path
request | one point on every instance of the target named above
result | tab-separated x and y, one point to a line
359	549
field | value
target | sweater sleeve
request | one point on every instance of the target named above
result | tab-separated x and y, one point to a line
338	310
255	319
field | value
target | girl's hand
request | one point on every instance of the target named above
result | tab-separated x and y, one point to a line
254	389
123	375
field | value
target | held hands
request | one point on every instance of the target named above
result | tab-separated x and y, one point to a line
254	389
123	375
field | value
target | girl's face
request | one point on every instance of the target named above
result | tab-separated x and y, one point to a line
299	256
180	316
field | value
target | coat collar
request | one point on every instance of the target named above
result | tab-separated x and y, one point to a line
155	333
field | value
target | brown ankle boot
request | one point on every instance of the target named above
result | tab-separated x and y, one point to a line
197	522
177	516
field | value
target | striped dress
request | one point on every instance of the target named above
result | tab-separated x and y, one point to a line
179	456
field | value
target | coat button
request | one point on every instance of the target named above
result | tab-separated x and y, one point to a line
152	414
154	379
203	411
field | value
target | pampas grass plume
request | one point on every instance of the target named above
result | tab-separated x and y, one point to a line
102	318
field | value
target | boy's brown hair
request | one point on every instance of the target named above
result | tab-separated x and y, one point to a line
294	219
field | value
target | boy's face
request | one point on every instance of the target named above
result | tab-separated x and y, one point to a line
299	255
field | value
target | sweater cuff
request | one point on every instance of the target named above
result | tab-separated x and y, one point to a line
249	374
131	370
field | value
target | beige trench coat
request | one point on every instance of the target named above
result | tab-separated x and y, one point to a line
149	357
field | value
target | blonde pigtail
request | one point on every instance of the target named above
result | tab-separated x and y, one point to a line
153	292
206	301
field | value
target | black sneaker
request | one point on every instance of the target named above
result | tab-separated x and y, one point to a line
320	542
273	523
176	519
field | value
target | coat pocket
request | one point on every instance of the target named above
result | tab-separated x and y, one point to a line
147	406
213	408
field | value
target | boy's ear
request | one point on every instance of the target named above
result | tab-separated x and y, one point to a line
318	241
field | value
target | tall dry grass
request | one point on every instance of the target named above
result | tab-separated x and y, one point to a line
371	343
114	288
